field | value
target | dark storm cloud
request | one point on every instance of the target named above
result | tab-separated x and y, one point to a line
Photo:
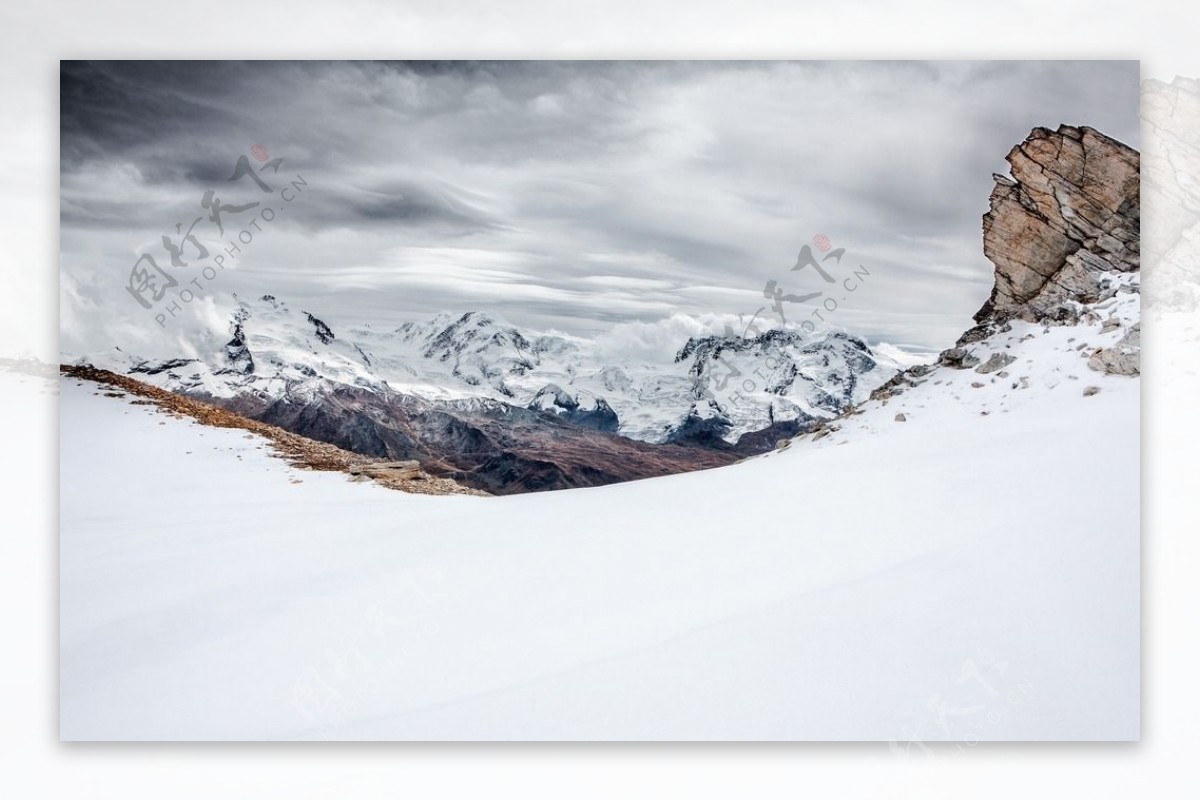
571	194
108	109
401	203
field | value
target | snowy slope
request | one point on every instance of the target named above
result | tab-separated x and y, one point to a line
953	576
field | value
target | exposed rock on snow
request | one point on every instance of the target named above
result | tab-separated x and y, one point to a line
320	329
237	354
997	361
959	358
590	412
1066	220
1123	358
1063	235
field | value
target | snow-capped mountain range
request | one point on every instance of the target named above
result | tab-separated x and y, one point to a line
717	386
474	399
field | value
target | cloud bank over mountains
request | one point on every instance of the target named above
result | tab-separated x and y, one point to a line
577	196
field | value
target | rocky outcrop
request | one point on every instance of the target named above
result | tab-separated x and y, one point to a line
1063	223
322	331
238	357
1063	234
154	368
959	358
706	424
553	399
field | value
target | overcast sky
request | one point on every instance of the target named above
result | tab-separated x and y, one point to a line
658	197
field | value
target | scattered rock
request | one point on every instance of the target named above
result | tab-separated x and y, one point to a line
1089	391
995	362
976	334
1123	358
408	469
958	358
900	418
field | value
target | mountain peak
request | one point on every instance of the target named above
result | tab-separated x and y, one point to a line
468	320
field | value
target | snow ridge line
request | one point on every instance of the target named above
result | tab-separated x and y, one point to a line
300	452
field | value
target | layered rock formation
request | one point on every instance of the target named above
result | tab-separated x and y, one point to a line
1062	225
1064	235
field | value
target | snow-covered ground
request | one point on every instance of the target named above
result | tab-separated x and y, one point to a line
956	576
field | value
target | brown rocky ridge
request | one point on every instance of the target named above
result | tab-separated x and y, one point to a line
299	451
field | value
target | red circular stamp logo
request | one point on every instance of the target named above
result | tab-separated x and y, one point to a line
259	152
822	242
